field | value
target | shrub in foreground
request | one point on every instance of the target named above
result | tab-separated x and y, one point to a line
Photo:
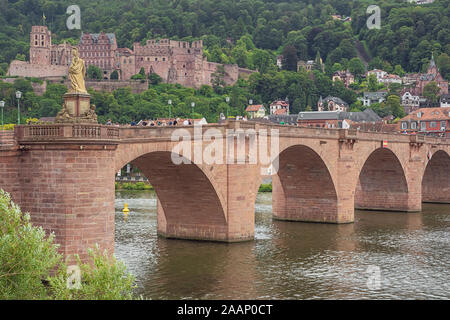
32	268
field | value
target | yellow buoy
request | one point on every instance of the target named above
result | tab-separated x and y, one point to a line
126	210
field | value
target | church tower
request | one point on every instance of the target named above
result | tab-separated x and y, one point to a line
432	69
40	45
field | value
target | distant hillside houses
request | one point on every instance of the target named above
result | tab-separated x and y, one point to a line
384	77
345	76
332	104
279	107
370	98
421	1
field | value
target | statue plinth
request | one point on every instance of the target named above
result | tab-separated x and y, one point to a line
77	109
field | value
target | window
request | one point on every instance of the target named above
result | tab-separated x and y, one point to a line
443	125
404	125
413	125
433	124
423	126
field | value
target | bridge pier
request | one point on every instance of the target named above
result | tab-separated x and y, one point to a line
70	191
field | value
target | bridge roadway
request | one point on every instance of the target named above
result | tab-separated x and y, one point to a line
64	176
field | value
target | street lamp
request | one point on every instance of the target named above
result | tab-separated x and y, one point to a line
193	105
2	105
250	102
18	96
170	108
227	99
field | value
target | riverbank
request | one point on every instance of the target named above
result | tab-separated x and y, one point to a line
140	186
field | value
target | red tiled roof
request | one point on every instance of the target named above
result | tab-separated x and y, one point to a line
429	114
254	108
280	102
280	112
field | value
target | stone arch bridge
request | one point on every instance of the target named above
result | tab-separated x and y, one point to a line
64	176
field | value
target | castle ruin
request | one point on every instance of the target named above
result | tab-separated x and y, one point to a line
179	62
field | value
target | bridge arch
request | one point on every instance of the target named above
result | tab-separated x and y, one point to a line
303	187
382	183
189	205
436	178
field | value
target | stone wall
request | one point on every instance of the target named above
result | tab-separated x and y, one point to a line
25	69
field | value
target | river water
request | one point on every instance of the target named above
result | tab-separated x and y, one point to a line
381	256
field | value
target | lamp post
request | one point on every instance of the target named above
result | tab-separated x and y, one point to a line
18	96
193	105
227	99
170	108
2	105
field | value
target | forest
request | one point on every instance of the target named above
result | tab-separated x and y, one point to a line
250	33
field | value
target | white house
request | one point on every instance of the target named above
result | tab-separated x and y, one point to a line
380	74
445	101
373	97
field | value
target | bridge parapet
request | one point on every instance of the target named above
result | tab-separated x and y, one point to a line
58	132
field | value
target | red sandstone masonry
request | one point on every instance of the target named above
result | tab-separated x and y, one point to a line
67	183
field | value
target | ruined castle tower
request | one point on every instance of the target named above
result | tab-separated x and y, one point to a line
40	45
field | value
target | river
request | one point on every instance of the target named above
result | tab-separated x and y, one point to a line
383	255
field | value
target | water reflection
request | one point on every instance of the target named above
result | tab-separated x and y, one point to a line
290	260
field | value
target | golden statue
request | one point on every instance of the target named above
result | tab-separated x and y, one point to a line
77	72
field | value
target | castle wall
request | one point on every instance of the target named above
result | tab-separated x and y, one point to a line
25	69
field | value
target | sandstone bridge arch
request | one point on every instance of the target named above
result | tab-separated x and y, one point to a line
190	204
304	189
436	178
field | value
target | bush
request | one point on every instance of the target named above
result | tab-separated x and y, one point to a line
27	257
104	278
265	188
9	126
133	186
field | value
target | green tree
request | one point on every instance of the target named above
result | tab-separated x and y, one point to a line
356	67
114	75
217	79
372	83
154	78
289	58
20	57
431	92
393	104
398	70
443	63
94	72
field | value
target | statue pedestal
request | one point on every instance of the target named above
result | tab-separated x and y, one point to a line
77	109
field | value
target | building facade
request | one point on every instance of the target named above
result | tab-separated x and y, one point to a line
410	102
332	104
432	75
428	121
345	76
256	111
373	97
279	107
